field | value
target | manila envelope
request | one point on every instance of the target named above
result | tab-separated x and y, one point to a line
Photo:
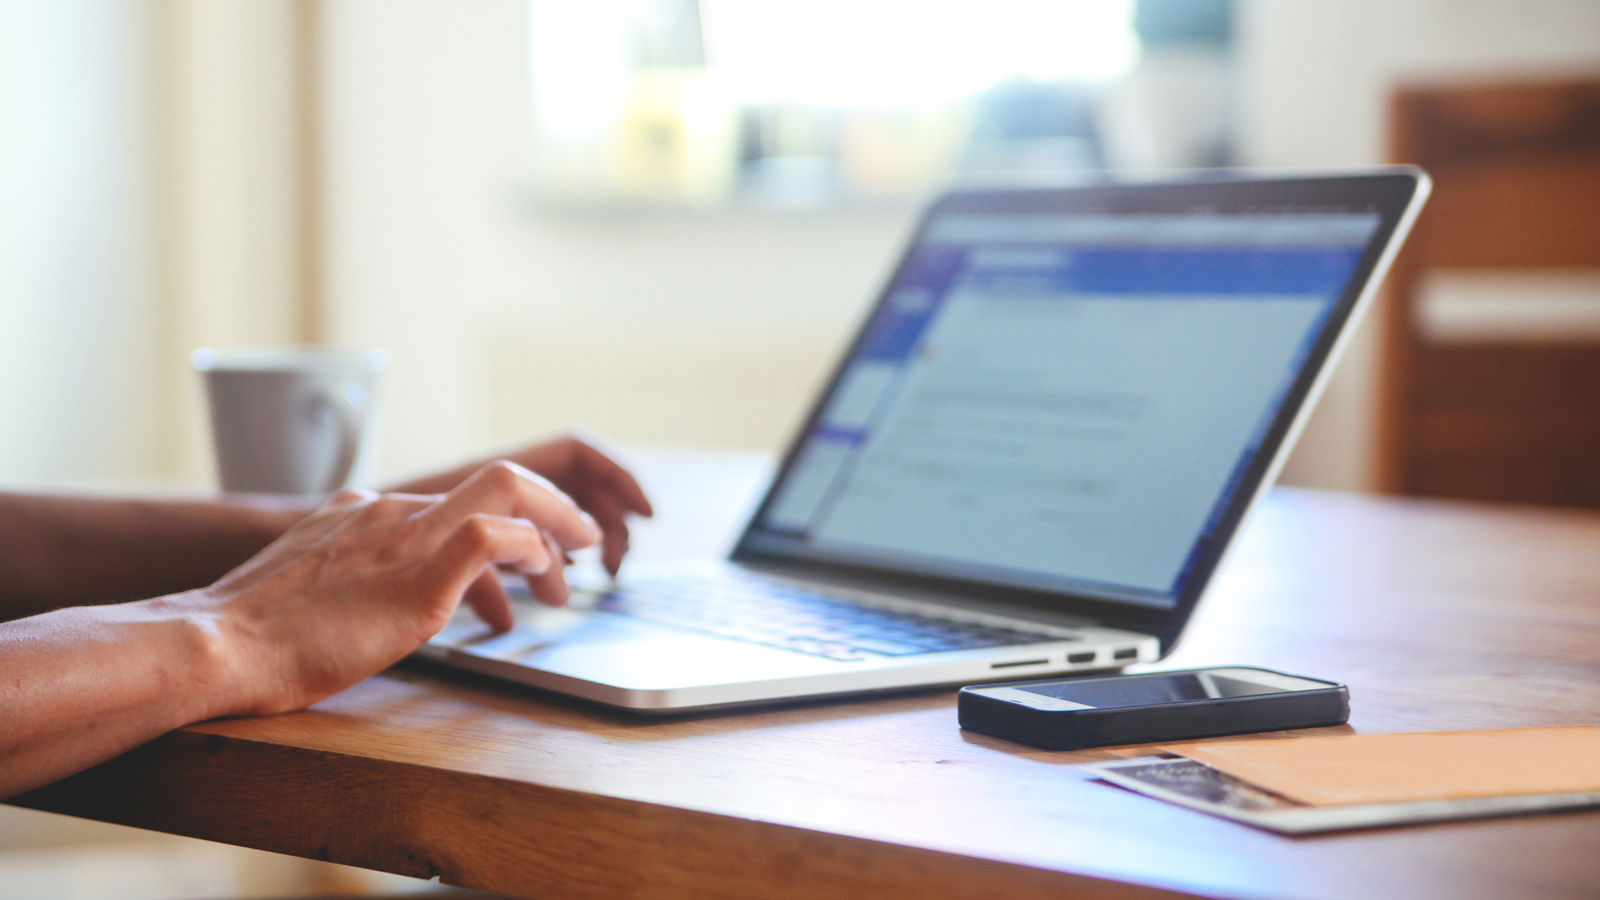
1387	768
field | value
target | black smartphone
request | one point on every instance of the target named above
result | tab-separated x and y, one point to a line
1076	713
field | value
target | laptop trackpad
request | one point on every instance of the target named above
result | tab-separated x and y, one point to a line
627	652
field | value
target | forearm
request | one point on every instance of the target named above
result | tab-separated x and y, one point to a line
82	685
68	551
353	587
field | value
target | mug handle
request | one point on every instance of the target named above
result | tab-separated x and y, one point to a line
344	412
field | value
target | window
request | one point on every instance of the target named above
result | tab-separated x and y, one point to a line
705	102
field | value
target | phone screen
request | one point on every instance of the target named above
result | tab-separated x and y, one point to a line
1144	690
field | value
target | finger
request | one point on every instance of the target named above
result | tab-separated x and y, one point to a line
487	597
613	549
482	540
550	586
610	516
599	468
506	489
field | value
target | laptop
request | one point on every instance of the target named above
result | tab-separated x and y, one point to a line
1030	460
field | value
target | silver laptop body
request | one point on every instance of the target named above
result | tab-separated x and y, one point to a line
1031	459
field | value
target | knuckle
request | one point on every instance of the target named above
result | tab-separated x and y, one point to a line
351	495
503	473
476	531
387	506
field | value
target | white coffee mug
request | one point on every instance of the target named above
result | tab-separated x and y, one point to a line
289	420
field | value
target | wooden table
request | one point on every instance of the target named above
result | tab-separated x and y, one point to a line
1438	616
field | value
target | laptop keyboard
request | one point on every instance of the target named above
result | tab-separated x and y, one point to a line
805	621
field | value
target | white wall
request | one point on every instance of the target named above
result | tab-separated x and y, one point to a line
1315	77
73	329
146	209
222	224
503	322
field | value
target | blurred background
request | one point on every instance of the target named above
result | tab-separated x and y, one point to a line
659	219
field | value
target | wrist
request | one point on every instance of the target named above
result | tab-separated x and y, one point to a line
86	683
207	653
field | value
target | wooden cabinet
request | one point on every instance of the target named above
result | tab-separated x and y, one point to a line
1484	411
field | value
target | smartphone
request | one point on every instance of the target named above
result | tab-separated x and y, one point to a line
1077	713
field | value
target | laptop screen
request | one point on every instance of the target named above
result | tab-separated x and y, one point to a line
1063	402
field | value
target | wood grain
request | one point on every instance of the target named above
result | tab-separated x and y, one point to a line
1516	170
512	837
1438	615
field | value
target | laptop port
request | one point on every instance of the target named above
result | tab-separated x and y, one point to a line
1020	662
1081	657
1126	653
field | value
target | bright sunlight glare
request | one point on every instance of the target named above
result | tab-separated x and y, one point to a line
855	53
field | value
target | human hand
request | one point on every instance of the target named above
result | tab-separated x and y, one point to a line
365	579
594	480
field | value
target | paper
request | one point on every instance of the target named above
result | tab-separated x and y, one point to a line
1185	782
1393	768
